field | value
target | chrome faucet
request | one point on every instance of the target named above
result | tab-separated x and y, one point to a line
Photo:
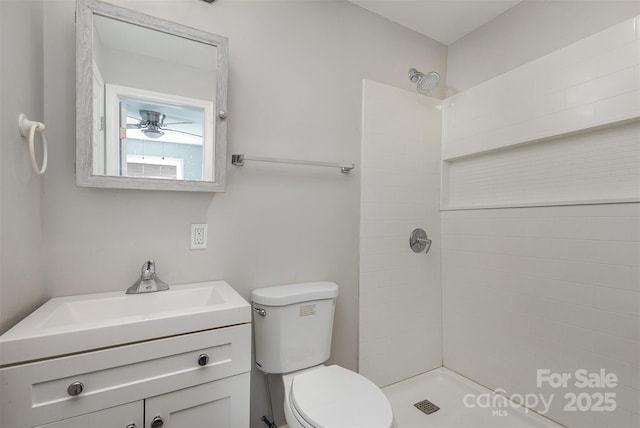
148	281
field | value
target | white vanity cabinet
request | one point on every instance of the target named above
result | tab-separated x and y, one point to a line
198	379
127	415
218	404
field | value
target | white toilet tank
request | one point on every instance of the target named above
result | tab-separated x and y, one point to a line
293	325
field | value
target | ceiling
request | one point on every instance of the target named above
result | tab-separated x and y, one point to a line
443	20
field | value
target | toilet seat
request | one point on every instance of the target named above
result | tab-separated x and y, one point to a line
336	397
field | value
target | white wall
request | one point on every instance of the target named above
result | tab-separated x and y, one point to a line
142	72
294	91
400	294
21	86
528	31
592	82
528	126
544	287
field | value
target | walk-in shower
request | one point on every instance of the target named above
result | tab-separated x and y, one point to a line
425	83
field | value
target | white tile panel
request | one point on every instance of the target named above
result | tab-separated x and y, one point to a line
610	85
545	287
399	290
598	166
589	83
619	58
618	108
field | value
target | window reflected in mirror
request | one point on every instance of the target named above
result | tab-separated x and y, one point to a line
153	135
162	143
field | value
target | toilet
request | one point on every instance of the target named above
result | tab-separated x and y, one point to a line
293	326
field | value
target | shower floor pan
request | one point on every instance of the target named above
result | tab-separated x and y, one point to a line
447	390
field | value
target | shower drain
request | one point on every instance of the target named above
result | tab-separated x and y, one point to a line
427	407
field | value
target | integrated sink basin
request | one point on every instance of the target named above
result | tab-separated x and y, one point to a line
90	309
67	325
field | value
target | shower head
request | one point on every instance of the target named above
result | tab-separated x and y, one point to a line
425	83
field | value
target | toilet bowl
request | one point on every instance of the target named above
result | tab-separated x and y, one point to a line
332	396
293	325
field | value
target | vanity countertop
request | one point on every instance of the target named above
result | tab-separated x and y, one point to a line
73	324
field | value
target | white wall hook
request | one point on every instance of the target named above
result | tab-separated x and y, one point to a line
28	129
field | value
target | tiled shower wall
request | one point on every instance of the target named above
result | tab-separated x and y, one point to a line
400	295
545	288
551	287
519	139
595	81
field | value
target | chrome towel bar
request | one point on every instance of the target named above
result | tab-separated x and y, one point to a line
238	160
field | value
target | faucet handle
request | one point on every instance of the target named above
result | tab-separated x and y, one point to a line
148	268
148	281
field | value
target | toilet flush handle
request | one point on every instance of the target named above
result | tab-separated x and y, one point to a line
260	312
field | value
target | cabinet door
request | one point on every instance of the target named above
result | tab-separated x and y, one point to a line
220	404
126	415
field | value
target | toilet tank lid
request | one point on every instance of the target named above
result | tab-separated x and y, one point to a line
281	295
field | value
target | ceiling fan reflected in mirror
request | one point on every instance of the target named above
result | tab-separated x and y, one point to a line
151	124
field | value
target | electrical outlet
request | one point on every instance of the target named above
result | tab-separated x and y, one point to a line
198	236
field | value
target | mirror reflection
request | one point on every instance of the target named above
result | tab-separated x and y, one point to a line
162	143
153	103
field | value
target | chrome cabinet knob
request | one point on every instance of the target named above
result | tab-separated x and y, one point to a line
157	422
75	388
222	114
203	359
131	426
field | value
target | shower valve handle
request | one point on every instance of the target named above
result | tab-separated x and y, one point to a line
419	242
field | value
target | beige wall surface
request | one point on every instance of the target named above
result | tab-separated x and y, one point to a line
21	89
295	76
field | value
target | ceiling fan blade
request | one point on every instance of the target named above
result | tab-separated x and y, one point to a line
182	132
179	123
133	126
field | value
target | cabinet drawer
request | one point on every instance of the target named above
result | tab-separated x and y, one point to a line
42	391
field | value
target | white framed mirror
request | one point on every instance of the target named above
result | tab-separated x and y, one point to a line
151	102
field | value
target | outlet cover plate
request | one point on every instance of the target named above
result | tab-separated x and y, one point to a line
198	236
